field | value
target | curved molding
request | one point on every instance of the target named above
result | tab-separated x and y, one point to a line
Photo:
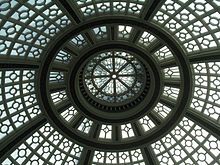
185	93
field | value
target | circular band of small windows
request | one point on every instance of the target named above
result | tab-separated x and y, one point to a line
179	109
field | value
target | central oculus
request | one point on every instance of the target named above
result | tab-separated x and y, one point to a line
114	76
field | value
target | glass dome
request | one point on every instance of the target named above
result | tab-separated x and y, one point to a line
114	76
109	82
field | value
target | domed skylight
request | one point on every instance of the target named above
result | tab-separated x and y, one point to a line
91	82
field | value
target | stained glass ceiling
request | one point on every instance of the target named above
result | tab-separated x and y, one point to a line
103	82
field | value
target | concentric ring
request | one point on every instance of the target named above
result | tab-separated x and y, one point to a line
148	99
180	107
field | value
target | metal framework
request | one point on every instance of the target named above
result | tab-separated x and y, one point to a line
132	82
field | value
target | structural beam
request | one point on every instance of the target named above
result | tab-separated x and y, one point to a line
70	10
155	118
168	63
77	121
90	38
156	45
63	106
136	36
213	128
147	154
57	87
136	129
59	67
172	83
86	156
9	63
71	49
164	100
94	131
153	8
208	56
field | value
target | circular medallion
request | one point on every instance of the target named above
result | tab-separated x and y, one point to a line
114	78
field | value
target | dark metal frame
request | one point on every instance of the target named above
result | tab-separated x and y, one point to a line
24	132
182	104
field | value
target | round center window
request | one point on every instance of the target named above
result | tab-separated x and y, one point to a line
114	76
